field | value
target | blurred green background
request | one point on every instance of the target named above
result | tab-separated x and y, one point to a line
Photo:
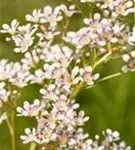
110	104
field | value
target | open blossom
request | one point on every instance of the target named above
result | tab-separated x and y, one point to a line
24	39
31	59
130	60
68	80
20	75
35	17
48	33
81	119
80	38
38	77
5	69
30	109
4	94
68	11
87	76
54	71
45	131
30	135
10	29
51	16
111	136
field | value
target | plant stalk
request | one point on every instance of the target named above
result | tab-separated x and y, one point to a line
12	130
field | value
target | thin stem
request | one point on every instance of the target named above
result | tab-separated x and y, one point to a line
33	146
79	8
9	106
13	134
10	125
77	90
102	60
106	78
110	77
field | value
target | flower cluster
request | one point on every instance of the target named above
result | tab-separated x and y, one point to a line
15	73
58	122
114	8
62	63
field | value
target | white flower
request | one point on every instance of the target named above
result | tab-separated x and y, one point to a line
10	29
20	75
130	60
31	59
38	77
68	11
24	39
3	117
48	33
68	80
5	69
30	109
111	136
30	135
81	119
35	17
4	94
50	16
87	76
45	130
79	39
50	93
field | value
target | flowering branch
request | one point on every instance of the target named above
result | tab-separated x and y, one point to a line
63	64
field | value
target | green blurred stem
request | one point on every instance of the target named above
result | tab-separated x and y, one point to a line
106	78
79	8
77	90
6	104
110	77
102	60
33	146
12	130
13	134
